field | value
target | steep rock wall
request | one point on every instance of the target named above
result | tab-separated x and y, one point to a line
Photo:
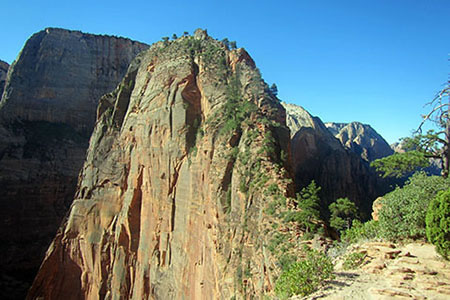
47	113
317	155
170	202
60	75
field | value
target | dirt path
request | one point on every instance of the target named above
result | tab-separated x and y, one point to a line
389	271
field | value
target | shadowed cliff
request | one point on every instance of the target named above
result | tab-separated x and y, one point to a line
3	71
47	113
317	155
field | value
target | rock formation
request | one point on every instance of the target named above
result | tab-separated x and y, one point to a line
170	201
47	113
3	71
60	75
317	155
362	139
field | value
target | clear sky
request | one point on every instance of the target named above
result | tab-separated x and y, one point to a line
377	62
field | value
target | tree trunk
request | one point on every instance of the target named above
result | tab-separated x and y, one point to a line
445	152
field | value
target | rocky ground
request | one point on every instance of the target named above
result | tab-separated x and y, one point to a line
390	271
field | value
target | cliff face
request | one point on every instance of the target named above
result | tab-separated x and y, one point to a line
46	115
317	155
362	139
60	75
170	201
3	71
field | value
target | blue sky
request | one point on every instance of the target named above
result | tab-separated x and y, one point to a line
377	62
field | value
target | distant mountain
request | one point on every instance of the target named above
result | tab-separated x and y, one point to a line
3	71
361	139
318	155
397	147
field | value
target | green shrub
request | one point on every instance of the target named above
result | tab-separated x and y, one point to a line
360	232
354	260
438	223
305	276
276	240
243	187
403	210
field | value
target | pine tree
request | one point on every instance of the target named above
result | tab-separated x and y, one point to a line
308	205
343	211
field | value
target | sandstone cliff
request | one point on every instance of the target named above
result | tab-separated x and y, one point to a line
3	71
318	155
170	203
46	115
362	139
60	75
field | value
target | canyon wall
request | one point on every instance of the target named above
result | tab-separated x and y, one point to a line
317	155
171	199
3	71
47	113
361	139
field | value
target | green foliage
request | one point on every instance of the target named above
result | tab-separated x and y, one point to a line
228	201
433	144
235	110
304	277
438	223
343	211
354	260
272	189
360	232
286	260
243	187
274	89
233	45
268	142
271	208
226	43
174	36
283	156
400	164
215	55
403	210
276	240
307	209
192	45
165	39
422	142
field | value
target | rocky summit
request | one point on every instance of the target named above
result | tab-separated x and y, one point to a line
47	113
170	202
60	75
3	71
362	139
317	155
